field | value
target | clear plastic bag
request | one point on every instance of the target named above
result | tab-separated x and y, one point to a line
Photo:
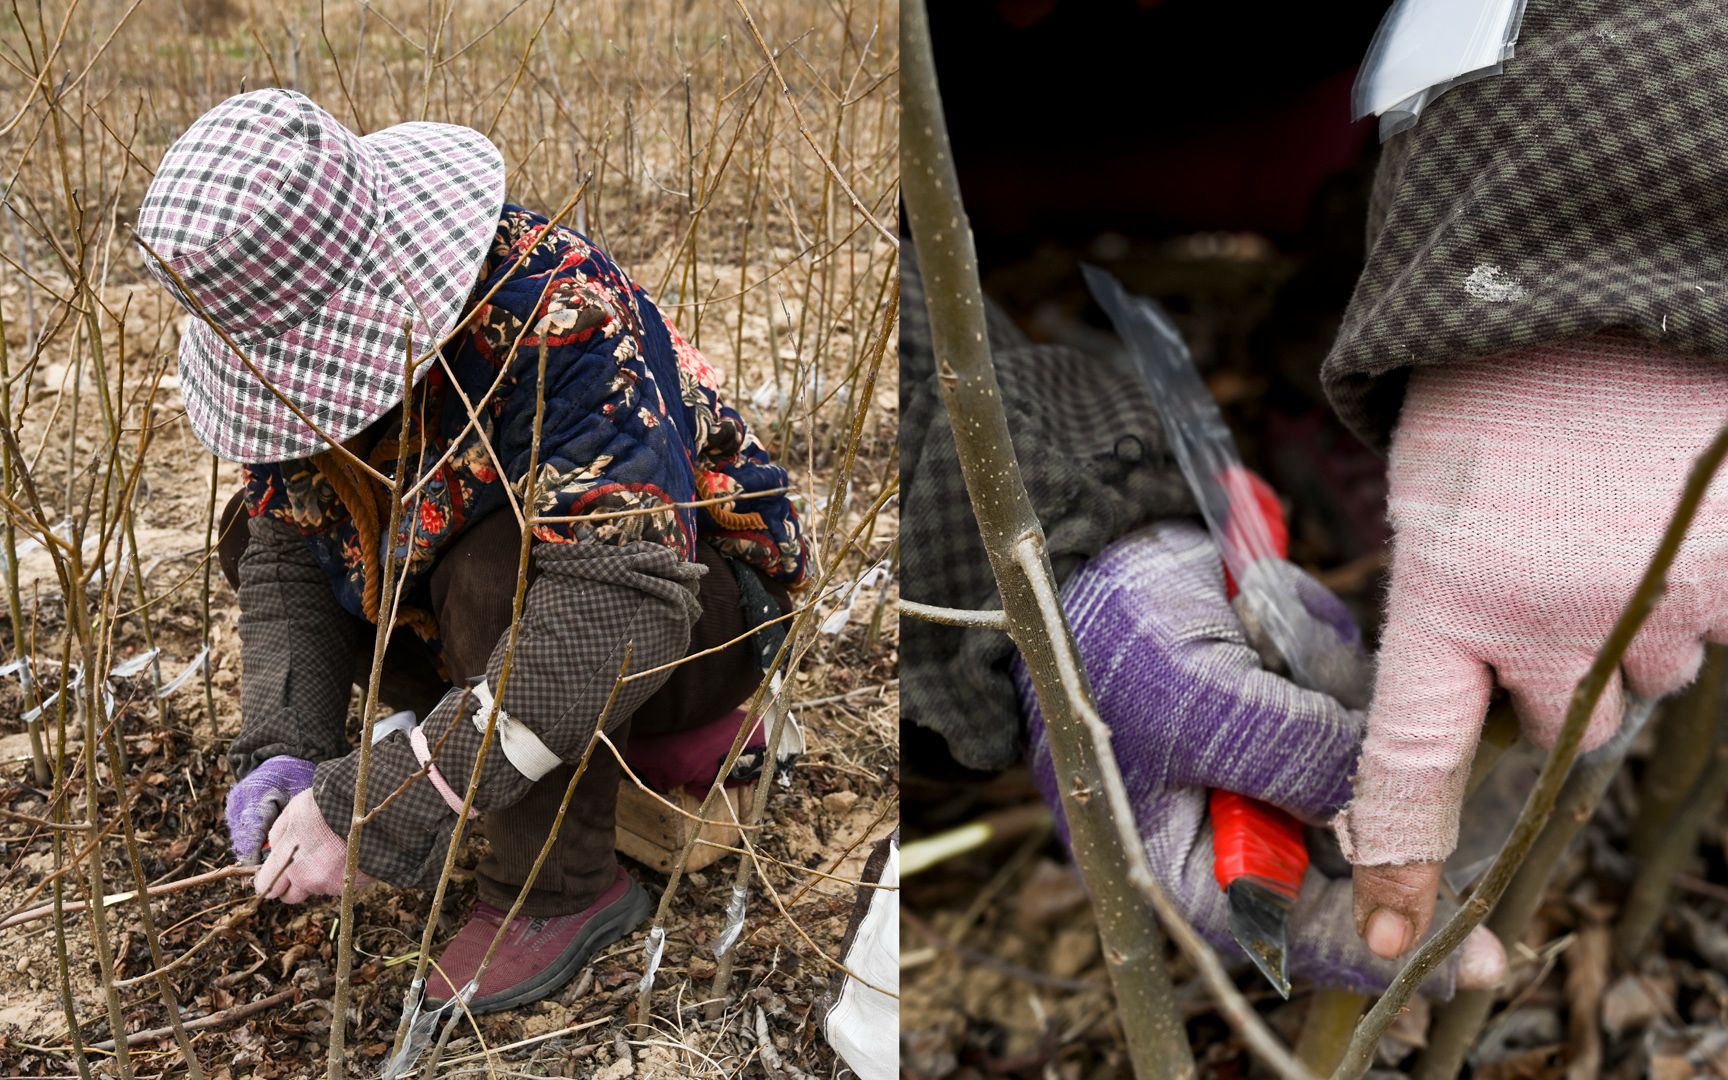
1206	451
1424	48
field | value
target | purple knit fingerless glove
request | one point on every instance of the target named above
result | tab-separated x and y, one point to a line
1190	707
258	797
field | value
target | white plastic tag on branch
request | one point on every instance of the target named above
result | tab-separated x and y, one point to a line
26	546
522	748
74	683
812	390
734	922
403	721
655	945
789	749
132	666
187	672
1424	48
421	1024
47	703
765	395
791	744
836	622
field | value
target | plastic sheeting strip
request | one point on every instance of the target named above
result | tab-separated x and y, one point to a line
132	665
734	922
125	669
192	668
48	702
421	1024
653	948
836	622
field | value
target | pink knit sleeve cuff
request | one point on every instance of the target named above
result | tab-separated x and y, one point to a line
1400	814
423	754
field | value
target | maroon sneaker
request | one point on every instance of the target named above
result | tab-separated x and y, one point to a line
538	955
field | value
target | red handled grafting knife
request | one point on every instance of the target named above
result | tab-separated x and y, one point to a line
1259	855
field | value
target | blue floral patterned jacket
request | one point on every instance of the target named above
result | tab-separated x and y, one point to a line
633	420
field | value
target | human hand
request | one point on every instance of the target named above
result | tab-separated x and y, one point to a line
258	797
306	858
1528	492
1190	707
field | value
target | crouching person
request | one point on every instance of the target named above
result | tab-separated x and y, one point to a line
316	262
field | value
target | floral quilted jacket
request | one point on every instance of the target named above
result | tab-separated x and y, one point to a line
633	419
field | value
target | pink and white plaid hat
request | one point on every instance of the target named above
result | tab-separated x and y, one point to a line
313	248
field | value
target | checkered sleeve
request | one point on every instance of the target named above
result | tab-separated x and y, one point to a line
1579	191
588	602
297	649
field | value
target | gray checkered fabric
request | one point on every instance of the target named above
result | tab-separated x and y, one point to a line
1096	466
1582	190
314	249
297	647
587	603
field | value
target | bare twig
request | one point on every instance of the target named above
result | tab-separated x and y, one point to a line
216	1019
167	887
858	204
973	620
337	1065
1654	883
1682	751
1457	1024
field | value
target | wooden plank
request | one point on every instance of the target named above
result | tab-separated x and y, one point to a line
653	835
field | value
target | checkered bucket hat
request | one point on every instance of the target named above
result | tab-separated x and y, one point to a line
312	248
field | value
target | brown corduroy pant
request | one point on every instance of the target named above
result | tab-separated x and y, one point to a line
472	591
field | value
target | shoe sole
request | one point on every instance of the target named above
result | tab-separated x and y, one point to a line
607	926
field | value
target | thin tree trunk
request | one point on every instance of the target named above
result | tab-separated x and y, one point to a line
1127	924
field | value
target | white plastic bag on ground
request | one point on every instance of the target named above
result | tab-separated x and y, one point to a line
864	1024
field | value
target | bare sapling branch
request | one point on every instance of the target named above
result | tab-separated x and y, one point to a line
1683	743
1104	846
337	1065
1653	885
1458	1023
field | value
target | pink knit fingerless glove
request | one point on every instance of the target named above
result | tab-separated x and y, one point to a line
1528	492
306	858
